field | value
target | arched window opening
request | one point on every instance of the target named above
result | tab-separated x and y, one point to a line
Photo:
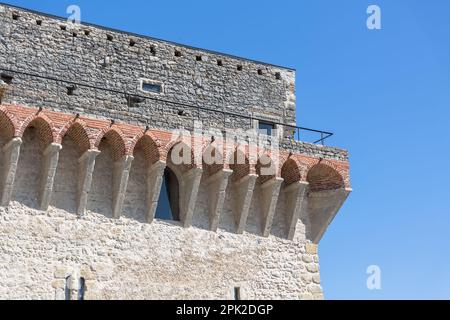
169	204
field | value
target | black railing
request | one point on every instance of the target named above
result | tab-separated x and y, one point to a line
131	98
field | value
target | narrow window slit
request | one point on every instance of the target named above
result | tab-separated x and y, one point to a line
15	16
82	289
220	63
132	43
39	22
260	72
239	68
177	53
63	28
109	37
237	293
198	58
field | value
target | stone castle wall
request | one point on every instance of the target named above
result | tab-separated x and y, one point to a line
79	192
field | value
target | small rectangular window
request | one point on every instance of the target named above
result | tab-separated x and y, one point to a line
266	127
237	293
151	87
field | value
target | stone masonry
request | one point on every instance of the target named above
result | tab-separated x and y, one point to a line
85	147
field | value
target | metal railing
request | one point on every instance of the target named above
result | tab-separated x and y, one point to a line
132	98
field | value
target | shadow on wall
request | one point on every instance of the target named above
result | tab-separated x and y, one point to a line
101	197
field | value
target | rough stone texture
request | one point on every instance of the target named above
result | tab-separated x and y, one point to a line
125	259
238	227
46	50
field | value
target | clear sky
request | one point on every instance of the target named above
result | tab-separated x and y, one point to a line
386	95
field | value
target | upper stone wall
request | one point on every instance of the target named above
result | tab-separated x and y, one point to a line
38	43
109	65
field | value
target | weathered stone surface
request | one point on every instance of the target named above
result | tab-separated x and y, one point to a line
96	230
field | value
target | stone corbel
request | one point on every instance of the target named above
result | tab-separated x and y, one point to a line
86	165
217	185
243	193
50	163
10	158
120	183
155	176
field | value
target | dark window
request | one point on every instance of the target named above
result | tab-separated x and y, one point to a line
237	293
71	90
151	87
168	205
266	127
82	289
67	290
6	78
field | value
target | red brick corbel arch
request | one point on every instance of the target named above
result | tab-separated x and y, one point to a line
78	131
265	160
324	175
213	167
116	140
46	130
150	144
234	162
170	146
292	170
9	124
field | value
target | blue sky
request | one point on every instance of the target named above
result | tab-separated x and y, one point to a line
386	95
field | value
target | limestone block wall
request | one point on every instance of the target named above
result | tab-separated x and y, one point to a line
246	230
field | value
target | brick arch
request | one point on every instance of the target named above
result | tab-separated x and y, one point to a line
184	166
76	130
150	146
115	138
213	167
8	126
240	164
323	176
44	126
292	171
265	160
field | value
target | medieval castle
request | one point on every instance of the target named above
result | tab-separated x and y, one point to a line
95	202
